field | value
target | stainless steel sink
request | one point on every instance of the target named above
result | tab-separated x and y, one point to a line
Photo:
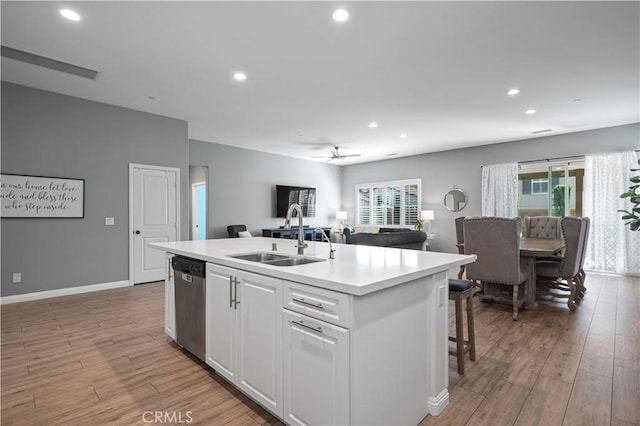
259	257
269	258
294	261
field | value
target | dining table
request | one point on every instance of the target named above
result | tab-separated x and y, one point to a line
530	250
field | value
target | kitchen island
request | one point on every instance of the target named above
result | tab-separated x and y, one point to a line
360	339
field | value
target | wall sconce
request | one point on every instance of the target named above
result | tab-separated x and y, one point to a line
341	216
427	216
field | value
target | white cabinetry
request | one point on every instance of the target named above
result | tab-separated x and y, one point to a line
244	332
169	302
316	371
316	355
365	360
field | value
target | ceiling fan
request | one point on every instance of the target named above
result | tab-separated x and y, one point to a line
335	155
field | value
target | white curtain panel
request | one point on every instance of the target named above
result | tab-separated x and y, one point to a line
500	190
612	246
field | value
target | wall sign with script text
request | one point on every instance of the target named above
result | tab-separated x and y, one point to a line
38	197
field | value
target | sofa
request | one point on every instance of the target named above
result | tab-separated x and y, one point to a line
404	238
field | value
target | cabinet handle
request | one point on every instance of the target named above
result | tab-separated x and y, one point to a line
235	297
230	291
304	302
302	324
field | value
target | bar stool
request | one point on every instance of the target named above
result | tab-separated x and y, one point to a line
460	290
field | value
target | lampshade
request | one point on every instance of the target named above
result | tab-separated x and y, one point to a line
427	215
341	215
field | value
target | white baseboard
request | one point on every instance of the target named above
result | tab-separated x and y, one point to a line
439	403
61	292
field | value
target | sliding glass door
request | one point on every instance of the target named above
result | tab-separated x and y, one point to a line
550	189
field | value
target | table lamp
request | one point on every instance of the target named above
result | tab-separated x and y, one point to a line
341	216
427	216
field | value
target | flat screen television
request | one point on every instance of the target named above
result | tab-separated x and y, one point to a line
287	195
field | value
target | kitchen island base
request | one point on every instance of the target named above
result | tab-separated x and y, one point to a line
326	344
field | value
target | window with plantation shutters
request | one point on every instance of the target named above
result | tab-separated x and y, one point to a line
389	203
364	206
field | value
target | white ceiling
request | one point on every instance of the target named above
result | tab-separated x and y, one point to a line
438	71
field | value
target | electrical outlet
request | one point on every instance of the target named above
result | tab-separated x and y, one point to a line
17	277
109	221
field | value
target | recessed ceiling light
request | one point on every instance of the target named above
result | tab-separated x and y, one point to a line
340	15
70	14
530	111
403	135
541	131
373	125
513	92
392	154
240	76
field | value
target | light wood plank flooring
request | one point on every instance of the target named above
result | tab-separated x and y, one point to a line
102	358
553	367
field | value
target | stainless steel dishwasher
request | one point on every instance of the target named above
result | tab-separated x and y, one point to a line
189	299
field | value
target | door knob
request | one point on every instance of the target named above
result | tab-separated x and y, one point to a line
137	232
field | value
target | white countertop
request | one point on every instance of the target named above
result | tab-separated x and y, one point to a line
356	269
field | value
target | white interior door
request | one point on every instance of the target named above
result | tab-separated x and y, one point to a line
153	218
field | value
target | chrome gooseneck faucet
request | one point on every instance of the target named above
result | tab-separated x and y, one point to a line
287	225
324	236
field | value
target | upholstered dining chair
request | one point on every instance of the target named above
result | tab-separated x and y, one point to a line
581	290
233	230
496	243
460	241
565	279
542	227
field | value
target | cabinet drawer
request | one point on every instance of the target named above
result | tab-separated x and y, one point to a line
326	305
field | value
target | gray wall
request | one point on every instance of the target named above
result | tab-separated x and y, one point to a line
47	134
441	171
242	186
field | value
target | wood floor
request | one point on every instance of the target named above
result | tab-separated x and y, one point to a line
552	366
102	358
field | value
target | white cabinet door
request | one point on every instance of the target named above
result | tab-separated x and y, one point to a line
220	321
316	371
169	299
259	341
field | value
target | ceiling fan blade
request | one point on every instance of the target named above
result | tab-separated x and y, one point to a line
350	155
322	156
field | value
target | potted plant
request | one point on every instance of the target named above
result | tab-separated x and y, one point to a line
633	215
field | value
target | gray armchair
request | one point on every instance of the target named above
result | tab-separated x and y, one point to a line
233	230
558	278
496	243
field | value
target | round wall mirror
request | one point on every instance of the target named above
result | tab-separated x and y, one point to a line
455	200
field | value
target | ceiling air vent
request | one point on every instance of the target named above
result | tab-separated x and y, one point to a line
52	64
